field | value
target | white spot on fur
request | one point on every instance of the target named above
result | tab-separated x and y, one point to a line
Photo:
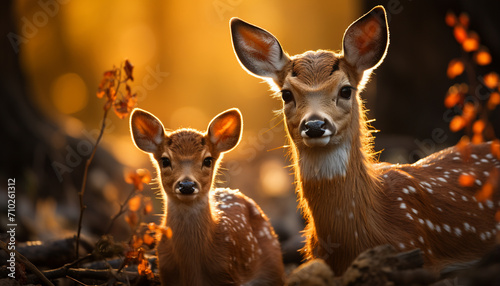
447	227
429	224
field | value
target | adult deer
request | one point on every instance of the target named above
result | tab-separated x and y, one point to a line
219	236
350	202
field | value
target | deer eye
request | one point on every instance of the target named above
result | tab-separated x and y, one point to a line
207	162
286	95
345	92
165	162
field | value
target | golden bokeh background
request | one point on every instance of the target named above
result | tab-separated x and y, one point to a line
184	66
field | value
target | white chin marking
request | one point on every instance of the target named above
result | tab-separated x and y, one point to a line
325	163
187	198
316	142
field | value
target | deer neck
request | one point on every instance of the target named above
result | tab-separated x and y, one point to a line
340	193
193	227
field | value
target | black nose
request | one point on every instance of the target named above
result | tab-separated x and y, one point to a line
186	187
315	128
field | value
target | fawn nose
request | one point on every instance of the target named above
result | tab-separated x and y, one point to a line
314	128
186	187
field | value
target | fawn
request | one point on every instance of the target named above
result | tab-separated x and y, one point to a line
350	202
219	236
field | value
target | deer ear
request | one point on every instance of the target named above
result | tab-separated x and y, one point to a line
258	51
147	130
366	40
224	131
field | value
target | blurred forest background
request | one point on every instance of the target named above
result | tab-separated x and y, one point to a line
55	52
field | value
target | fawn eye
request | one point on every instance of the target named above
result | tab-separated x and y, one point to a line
165	162
286	95
207	162
345	92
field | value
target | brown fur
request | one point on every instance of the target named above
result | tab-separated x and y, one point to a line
350	202
219	236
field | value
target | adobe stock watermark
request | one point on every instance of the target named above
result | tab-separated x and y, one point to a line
151	81
252	145
222	7
75	156
30	26
438	135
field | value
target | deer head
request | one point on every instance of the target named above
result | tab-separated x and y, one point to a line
320	88
186	160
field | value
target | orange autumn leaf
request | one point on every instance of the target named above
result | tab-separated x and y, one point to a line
491	80
132	219
478	126
477	138
167	232
144	269
469	112
466	180
471	43
457	123
134	204
460	34
494	100
137	242
485	193
450	19
128	68
148	206
138	178
455	68
463	19
152	226
148	239
452	99
482	57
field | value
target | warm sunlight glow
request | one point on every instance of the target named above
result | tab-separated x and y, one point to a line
69	93
274	178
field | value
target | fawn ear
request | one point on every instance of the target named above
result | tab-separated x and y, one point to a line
147	130
366	40
258	51
224	131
